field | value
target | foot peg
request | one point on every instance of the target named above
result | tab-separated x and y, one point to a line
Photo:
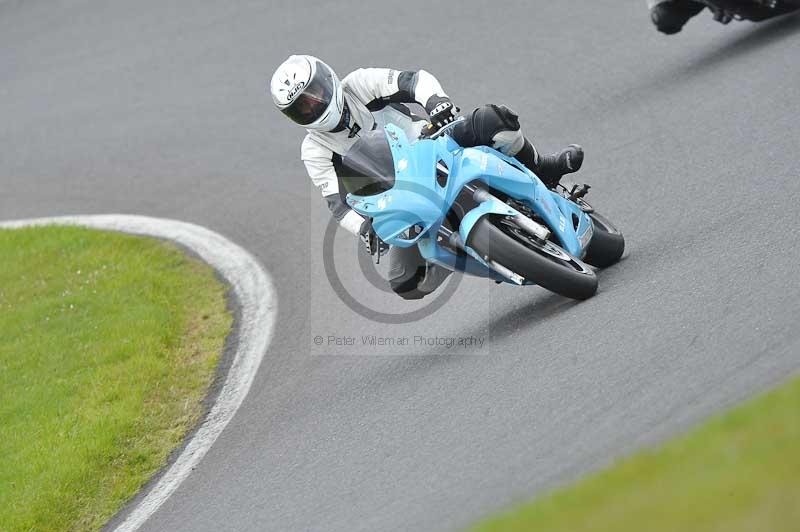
578	191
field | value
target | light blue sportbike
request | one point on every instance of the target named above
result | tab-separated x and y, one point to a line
477	211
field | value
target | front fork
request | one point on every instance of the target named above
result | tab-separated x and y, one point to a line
534	229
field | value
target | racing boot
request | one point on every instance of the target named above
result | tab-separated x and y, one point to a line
670	16
551	168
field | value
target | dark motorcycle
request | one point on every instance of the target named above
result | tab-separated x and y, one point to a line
753	10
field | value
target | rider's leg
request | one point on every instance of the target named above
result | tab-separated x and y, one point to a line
410	276
669	16
551	168
498	127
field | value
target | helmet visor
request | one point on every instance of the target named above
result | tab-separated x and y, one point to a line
308	106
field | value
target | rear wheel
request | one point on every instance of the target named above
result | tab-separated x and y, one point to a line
541	262
607	243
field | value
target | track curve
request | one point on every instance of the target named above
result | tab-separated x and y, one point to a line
160	109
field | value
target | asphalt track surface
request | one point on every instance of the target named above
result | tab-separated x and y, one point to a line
159	108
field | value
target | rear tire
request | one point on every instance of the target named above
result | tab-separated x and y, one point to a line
545	264
607	243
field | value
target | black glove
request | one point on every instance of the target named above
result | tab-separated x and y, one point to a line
371	241
440	110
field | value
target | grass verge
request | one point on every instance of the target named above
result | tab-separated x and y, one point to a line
737	472
108	344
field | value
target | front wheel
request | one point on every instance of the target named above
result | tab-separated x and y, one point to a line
543	263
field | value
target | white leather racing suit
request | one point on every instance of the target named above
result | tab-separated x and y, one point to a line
365	90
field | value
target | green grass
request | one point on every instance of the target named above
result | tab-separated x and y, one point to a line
736	472
108	343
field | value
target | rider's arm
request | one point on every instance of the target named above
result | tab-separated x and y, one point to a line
384	85
319	165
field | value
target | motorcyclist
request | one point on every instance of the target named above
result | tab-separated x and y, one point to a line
669	16
335	113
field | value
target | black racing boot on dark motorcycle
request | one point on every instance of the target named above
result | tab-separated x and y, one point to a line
670	16
551	168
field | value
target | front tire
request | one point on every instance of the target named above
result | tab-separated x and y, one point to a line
543	263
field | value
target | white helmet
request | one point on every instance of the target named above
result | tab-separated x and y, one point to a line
307	90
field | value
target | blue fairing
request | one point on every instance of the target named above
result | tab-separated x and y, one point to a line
418	199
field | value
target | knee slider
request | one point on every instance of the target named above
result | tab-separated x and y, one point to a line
407	288
509	118
489	120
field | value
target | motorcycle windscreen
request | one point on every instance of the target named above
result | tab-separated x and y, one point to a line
368	165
